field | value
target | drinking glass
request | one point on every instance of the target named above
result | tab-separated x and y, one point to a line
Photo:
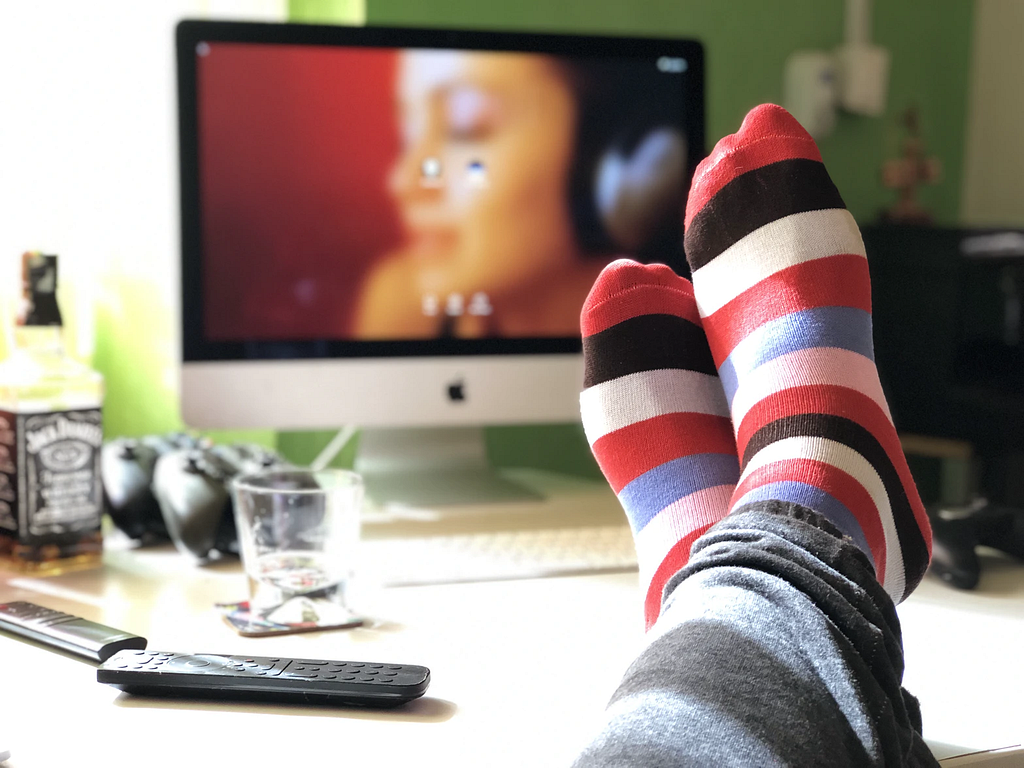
298	531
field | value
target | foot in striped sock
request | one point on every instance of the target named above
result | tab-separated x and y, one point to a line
781	281
655	415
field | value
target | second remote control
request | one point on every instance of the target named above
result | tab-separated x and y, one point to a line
62	630
258	678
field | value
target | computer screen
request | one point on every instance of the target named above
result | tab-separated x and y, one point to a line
388	227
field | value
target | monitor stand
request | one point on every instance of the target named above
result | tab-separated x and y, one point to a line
436	466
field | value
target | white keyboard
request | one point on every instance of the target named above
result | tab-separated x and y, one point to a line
500	555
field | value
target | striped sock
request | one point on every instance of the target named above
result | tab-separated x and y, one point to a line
781	281
655	415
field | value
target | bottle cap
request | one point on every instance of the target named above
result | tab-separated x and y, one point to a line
39	290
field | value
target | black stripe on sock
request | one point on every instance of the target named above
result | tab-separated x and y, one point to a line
756	198
645	343
859	439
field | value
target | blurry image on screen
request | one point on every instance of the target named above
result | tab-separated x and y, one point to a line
368	194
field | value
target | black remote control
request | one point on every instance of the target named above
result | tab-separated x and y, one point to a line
259	678
62	630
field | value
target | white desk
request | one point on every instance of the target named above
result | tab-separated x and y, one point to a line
521	670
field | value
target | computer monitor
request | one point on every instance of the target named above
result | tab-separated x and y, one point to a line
397	228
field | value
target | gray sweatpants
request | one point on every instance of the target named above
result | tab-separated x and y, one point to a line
776	646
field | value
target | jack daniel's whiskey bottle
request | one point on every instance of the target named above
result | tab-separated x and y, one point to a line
51	432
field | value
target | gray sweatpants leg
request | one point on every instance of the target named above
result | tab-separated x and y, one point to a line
776	646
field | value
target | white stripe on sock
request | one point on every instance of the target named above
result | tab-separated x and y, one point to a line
852	463
777	245
808	367
626	400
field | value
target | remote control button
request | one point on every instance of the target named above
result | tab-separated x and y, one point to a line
377	666
392	666
330	677
353	664
312	663
367	679
349	677
372	672
197	663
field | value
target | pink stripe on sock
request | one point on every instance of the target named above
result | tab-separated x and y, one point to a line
815	366
678	520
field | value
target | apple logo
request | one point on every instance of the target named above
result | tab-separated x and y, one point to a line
457	391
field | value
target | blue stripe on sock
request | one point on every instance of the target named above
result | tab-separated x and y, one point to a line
647	495
814	498
839	327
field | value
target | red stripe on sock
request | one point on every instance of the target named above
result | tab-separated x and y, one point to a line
768	135
836	400
834	281
627	453
842	486
676	558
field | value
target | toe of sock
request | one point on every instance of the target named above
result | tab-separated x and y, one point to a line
625	274
769	134
770	120
627	288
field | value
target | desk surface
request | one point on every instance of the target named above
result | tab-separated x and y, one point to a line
521	669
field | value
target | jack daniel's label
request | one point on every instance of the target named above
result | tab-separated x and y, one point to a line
49	473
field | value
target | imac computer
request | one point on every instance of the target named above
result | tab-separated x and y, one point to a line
395	229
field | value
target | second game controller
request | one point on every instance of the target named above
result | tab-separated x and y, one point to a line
191	489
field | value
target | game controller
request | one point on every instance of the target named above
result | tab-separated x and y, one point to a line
190	486
126	468
956	534
178	487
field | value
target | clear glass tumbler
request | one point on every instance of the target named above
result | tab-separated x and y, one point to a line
298	532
